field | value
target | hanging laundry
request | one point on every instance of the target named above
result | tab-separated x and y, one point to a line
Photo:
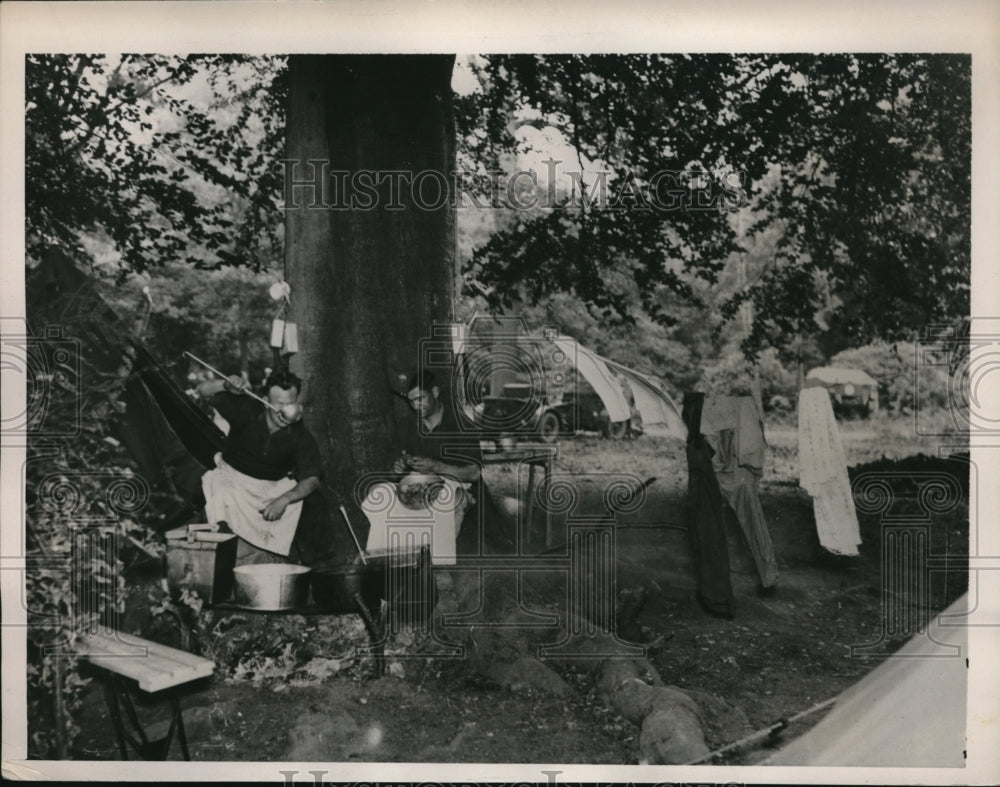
823	473
740	485
739	413
706	516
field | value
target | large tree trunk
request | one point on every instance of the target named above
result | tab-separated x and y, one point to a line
367	285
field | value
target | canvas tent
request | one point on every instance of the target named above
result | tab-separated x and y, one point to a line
655	407
171	440
908	712
659	413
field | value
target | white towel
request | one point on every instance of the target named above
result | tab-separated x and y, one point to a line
237	499
436	526
823	473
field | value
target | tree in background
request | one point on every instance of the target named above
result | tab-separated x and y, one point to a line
156	159
861	162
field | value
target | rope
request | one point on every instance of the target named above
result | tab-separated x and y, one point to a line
769	731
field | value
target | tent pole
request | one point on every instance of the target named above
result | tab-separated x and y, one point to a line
768	731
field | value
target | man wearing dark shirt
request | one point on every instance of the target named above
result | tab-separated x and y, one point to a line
436	443
425	445
251	489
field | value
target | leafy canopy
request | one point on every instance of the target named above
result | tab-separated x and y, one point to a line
860	162
160	159
858	167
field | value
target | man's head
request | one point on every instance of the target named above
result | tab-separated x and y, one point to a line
422	393
283	392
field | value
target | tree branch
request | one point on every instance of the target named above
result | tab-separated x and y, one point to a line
112	108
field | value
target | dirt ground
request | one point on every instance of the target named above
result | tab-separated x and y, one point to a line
299	688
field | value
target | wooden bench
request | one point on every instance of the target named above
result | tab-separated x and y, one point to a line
123	658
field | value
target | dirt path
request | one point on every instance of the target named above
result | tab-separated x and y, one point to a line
780	655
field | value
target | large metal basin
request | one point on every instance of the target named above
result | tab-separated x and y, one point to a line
271	586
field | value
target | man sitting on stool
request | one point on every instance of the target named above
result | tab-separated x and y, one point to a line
251	489
426	442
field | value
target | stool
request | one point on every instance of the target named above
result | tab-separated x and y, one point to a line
123	658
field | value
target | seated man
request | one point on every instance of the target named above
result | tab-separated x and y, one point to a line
434	429
250	488
434	443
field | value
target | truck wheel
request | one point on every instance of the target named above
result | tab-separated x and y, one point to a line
548	427
616	430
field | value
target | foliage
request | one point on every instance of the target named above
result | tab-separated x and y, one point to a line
163	158
733	376
855	167
223	316
861	162
82	508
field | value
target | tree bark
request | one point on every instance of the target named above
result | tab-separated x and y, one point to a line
367	284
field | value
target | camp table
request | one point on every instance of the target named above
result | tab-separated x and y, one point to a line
126	662
538	457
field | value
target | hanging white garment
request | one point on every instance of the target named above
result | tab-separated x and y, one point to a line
823	473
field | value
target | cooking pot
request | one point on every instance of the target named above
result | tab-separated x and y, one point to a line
333	589
271	586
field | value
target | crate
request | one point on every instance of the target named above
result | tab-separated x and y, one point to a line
202	561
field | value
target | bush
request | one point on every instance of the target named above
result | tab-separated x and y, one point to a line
81	503
732	375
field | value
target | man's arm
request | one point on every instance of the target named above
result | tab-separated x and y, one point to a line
300	491
234	384
466	473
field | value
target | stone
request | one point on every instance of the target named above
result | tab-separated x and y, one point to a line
632	699
668	697
723	722
528	672
615	671
671	737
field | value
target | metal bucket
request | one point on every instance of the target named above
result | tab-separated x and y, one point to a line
403	580
271	586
